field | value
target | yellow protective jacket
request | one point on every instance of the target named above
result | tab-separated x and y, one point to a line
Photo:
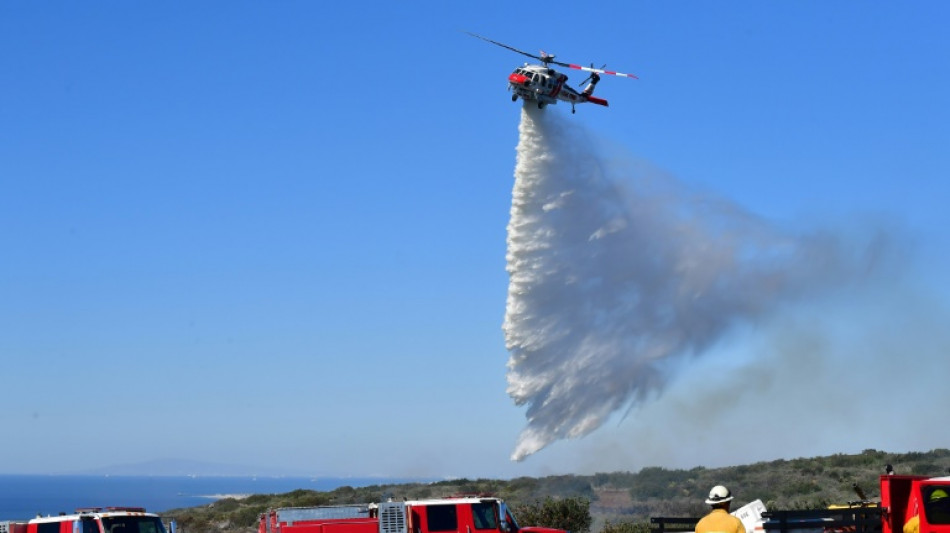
912	525
719	521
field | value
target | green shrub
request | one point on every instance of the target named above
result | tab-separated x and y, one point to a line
226	505
572	514
626	527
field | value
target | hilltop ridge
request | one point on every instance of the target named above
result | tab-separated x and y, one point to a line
618	496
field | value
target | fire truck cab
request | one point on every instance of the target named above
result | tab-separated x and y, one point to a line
904	497
99	520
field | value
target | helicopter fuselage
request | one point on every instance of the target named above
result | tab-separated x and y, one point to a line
545	85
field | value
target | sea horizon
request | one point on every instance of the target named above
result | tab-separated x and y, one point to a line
24	496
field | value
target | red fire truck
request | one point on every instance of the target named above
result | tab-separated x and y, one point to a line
444	515
904	497
91	520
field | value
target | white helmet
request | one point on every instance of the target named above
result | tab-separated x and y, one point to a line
719	494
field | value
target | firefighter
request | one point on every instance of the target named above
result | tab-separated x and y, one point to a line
719	520
936	501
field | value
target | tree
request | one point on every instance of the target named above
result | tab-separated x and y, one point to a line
572	514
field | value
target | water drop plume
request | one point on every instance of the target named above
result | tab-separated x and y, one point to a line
618	274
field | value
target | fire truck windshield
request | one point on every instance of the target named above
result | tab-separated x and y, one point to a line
132	524
937	504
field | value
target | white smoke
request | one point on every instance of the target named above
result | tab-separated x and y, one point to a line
617	275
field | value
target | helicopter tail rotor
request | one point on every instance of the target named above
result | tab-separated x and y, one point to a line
593	75
594	79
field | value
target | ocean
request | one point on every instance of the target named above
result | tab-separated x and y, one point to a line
26	496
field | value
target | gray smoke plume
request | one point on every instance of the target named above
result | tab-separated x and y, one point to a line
617	275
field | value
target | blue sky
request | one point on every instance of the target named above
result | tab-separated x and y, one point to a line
273	234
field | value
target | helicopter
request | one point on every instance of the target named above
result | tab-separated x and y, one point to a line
544	85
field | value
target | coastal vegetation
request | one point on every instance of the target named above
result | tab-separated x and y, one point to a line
617	502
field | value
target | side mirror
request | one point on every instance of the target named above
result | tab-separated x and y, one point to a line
503	523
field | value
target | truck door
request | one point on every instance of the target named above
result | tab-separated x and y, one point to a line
439	518
484	516
478	517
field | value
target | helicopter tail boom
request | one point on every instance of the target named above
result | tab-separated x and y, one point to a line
602	71
598	101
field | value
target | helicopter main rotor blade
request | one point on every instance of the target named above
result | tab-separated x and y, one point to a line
512	48
545	59
601	71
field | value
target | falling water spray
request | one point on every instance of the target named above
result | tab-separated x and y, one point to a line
617	275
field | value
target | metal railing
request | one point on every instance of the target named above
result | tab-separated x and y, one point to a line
855	519
663	524
849	520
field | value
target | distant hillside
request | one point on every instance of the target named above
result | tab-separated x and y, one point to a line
618	496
